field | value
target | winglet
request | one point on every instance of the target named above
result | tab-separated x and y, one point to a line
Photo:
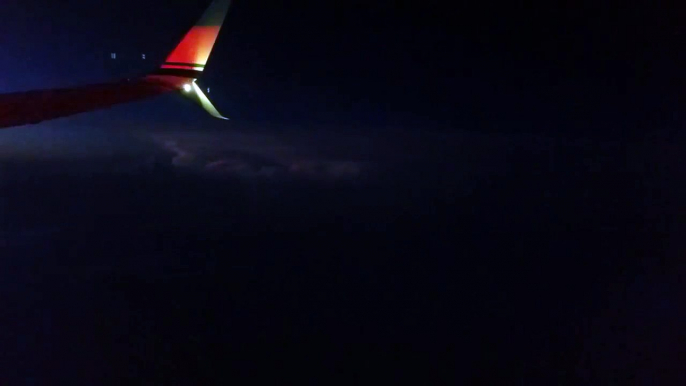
190	56
186	62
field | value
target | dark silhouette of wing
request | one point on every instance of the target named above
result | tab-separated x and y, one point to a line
40	105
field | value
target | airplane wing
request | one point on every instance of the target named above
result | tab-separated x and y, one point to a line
182	68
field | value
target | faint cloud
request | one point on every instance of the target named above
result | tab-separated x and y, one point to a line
242	168
182	157
257	156
326	169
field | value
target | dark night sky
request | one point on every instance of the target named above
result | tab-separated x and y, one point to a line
476	192
580	68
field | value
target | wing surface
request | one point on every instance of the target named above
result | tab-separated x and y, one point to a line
40	105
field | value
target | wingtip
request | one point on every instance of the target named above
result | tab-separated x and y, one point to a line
202	99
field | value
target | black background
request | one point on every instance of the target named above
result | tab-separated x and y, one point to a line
514	215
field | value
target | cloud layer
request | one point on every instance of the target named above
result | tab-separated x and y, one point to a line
255	155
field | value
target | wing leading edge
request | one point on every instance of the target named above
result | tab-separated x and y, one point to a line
182	68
